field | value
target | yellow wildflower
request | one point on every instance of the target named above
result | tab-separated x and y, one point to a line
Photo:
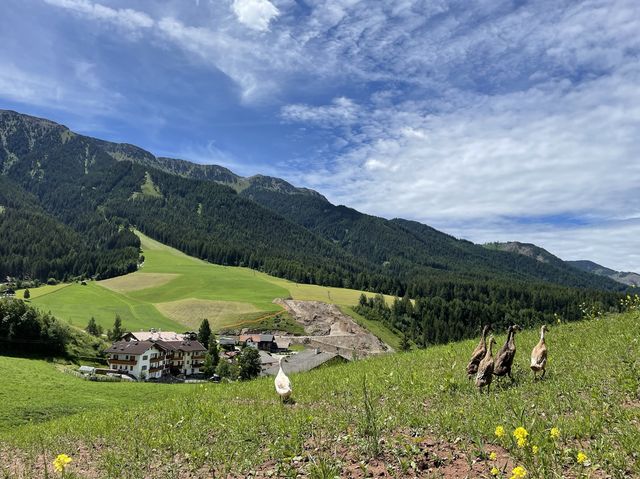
581	457
500	431
61	462
518	472
554	433
495	471
522	442
493	456
520	433
535	449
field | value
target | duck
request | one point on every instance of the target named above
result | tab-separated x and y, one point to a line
478	353
539	355
504	359
485	368
283	383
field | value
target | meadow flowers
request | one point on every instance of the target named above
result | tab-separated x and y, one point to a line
61	462
518	472
495	471
581	458
554	433
521	435
493	456
535	449
499	431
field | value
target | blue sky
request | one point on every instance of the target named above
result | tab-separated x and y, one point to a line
490	120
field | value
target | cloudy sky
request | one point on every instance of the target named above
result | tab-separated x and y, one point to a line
490	120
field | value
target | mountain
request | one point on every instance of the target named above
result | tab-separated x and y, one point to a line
87	193
628	278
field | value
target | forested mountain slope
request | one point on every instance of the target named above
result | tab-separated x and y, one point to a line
96	189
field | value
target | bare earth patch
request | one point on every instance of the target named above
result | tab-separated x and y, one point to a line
330	330
190	312
137	281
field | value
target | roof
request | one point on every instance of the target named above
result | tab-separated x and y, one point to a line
303	361
266	358
283	343
130	347
257	338
185	346
227	341
155	335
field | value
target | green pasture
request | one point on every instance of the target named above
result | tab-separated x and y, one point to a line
410	414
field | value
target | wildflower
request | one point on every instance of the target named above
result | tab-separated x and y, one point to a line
535	449
495	471
61	462
554	433
521	435
581	457
518	472
493	456
500	431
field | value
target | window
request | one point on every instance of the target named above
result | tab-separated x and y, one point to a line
144	358
144	368
130	368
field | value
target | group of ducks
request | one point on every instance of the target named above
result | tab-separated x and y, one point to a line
482	363
484	366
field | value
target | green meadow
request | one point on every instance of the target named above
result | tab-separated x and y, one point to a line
409	414
173	291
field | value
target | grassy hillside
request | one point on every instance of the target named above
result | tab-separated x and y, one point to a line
173	291
401	415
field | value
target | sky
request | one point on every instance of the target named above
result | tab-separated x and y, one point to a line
490	120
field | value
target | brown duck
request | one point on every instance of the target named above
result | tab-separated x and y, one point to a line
539	355
485	368
504	359
478	353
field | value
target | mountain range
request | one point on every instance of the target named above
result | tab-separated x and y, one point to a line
68	202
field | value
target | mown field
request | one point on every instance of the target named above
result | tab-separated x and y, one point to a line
402	415
173	291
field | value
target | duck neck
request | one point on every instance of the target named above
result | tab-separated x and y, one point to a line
542	335
512	333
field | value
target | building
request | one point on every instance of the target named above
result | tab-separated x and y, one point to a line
153	335
184	357
306	361
263	342
140	359
153	358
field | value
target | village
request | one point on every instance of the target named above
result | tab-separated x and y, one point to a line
330	337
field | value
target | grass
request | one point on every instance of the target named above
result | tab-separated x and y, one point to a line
404	405
35	391
174	291
375	327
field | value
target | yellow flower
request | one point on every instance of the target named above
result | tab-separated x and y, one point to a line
581	457
493	456
61	462
522	442
554	433
535	449
500	431
495	471
520	433
518	472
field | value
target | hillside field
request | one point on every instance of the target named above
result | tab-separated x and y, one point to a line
400	415
173	291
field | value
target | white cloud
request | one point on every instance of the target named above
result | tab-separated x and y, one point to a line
255	14
341	111
124	17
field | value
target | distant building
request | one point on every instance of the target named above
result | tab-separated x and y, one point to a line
306	361
263	342
153	335
227	343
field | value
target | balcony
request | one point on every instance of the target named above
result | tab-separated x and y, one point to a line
198	358
126	362
155	360
155	370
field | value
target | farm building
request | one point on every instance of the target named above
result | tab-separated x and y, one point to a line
263	342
